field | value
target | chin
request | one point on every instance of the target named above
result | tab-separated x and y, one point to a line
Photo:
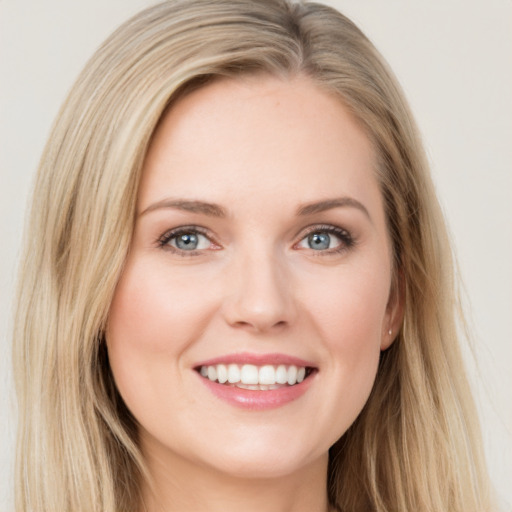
256	459
261	467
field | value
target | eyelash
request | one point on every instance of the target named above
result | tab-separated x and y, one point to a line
346	239
163	241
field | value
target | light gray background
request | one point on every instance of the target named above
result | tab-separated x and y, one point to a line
453	58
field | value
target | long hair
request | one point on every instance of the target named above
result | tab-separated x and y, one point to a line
416	444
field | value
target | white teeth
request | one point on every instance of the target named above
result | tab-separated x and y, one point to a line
233	373
267	375
292	375
281	374
249	376
222	373
257	387
253	387
212	373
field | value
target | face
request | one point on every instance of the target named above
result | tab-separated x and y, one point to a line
245	331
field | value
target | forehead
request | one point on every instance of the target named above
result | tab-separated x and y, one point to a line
259	135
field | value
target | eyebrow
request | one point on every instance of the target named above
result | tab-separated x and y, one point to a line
212	210
329	204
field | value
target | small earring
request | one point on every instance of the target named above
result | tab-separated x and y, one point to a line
390	332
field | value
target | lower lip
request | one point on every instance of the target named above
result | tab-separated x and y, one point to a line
258	400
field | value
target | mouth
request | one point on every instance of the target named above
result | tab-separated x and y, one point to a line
257	382
254	377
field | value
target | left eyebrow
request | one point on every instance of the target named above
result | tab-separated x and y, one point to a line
201	207
329	204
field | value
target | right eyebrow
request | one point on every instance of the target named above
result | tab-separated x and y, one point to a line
328	204
210	209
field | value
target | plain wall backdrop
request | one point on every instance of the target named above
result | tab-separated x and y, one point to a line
454	61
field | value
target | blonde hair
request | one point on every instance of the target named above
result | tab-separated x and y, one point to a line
416	444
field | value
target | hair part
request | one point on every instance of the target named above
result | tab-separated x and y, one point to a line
416	444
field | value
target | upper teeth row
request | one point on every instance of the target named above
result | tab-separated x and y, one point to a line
251	374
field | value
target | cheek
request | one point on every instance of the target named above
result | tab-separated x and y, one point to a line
153	306
349	306
153	319
349	311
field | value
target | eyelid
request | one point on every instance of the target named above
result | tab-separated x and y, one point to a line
330	228
347	240
164	239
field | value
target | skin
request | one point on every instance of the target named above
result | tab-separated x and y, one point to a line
260	148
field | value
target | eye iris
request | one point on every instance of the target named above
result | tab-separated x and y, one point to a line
187	241
319	241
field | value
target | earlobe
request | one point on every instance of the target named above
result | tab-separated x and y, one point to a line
395	311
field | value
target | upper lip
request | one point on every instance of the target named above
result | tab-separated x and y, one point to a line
256	359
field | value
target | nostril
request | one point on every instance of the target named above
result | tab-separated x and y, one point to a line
259	325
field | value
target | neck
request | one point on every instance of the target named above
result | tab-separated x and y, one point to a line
193	488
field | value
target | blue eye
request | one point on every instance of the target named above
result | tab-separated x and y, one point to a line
329	239
185	240
319	241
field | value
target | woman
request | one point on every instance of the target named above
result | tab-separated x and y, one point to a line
236	289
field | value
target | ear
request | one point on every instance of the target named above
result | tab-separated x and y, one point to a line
394	311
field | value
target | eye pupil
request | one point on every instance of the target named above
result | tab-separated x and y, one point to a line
319	241
187	241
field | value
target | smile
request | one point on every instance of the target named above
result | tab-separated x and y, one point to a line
257	381
258	378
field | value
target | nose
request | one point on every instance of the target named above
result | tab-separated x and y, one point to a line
259	294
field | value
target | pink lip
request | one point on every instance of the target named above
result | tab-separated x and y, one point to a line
253	399
258	400
256	359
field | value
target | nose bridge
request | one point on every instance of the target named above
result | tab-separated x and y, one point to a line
259	295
